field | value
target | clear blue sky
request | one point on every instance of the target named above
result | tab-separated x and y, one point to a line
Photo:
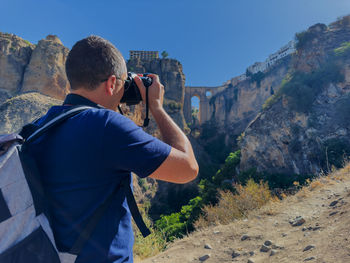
214	40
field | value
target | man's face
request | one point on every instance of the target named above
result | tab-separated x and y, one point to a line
119	90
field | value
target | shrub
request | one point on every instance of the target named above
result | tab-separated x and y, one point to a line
343	50
275	180
178	224
173	107
233	206
304	37
302	88
258	77
335	151
27	42
152	244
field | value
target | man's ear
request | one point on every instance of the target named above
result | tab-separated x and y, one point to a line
111	85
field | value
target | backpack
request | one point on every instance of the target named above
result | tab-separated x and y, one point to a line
25	232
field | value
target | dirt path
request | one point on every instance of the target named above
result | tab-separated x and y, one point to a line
323	237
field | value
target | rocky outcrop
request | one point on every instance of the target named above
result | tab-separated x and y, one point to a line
25	67
22	109
237	105
15	54
172	77
316	43
46	70
284	139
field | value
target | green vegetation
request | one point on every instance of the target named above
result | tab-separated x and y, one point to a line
172	106
343	50
304	37
256	77
335	151
27	42
164	54
236	205
178	224
275	180
302	88
151	245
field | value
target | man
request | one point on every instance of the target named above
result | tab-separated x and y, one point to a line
84	159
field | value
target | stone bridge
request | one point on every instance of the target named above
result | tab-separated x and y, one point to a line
203	94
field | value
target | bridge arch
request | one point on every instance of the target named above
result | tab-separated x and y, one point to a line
205	109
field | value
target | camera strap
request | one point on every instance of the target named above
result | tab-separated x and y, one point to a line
146	121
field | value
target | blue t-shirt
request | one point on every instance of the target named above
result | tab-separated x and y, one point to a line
81	162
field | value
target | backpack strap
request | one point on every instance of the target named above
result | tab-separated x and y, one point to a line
55	122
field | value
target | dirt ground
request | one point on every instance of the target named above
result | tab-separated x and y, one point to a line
324	236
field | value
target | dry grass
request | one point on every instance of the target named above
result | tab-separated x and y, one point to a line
235	206
149	246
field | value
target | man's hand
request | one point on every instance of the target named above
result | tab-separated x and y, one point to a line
155	92
181	165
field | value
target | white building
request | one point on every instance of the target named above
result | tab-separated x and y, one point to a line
281	53
263	66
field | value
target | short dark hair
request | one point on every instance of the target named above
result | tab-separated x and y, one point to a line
92	60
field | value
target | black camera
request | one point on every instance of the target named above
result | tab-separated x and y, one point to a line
132	93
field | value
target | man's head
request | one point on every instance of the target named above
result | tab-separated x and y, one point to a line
95	66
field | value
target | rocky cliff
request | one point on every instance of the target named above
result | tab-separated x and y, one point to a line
22	109
45	72
15	55
26	67
304	127
234	107
172	77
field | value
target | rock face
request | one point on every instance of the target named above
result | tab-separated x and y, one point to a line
173	79
46	70
26	67
282	140
237	105
22	109
15	54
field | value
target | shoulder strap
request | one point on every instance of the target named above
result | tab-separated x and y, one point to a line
55	121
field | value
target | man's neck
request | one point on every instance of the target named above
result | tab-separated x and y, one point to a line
90	95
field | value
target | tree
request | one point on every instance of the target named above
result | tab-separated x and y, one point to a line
165	54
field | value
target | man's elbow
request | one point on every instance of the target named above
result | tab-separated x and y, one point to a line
191	173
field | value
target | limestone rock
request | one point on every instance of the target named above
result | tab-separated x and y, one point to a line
15	54
282	141
46	70
22	109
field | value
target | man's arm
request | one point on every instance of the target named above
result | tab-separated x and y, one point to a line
181	165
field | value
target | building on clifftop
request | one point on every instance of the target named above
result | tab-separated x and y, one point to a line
144	55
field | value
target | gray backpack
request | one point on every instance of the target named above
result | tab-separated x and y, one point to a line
25	232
